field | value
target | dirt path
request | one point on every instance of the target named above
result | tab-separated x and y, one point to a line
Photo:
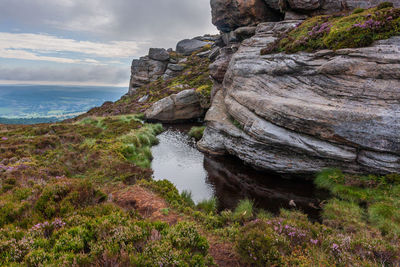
153	207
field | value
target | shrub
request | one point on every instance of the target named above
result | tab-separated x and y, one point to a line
185	236
259	245
208	205
244	210
187	198
384	5
358	10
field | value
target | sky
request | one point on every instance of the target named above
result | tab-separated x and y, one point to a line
90	42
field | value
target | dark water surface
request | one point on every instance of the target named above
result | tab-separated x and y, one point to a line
227	178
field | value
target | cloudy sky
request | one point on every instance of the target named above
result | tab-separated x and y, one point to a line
90	42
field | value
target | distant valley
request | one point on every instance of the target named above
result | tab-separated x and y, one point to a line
30	104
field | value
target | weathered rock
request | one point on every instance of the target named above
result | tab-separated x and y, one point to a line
304	4
220	65
188	46
303	112
243	33
145	70
208	38
143	99
228	15
291	15
214	53
204	54
177	107
159	54
175	67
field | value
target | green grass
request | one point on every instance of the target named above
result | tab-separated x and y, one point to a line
208	205
244	210
379	194
187	198
358	29
197	132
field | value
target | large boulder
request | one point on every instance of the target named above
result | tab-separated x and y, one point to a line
177	107
300	113
228	15
145	70
188	46
159	54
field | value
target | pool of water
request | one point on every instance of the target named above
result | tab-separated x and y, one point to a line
177	159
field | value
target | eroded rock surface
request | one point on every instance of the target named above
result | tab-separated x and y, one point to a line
188	46
177	107
228	15
303	112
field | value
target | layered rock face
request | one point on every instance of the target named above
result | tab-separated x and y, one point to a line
303	112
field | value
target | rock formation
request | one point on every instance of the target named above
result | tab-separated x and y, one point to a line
177	107
300	113
159	64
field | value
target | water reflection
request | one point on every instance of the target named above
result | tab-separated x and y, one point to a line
177	160
228	179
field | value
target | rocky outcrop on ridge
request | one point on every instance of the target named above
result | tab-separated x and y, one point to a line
159	63
300	113
181	77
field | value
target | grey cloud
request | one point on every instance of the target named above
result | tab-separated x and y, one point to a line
161	22
96	74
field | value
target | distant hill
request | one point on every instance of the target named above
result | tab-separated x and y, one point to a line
30	120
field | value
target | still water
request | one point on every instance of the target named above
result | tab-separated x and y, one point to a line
227	178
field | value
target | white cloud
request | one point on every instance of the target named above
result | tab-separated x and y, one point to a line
35	47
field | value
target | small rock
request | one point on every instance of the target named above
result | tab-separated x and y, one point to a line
243	33
290	15
143	99
214	53
188	46
175	67
204	54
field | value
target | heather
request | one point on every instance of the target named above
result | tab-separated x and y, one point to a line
81	194
359	28
56	206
